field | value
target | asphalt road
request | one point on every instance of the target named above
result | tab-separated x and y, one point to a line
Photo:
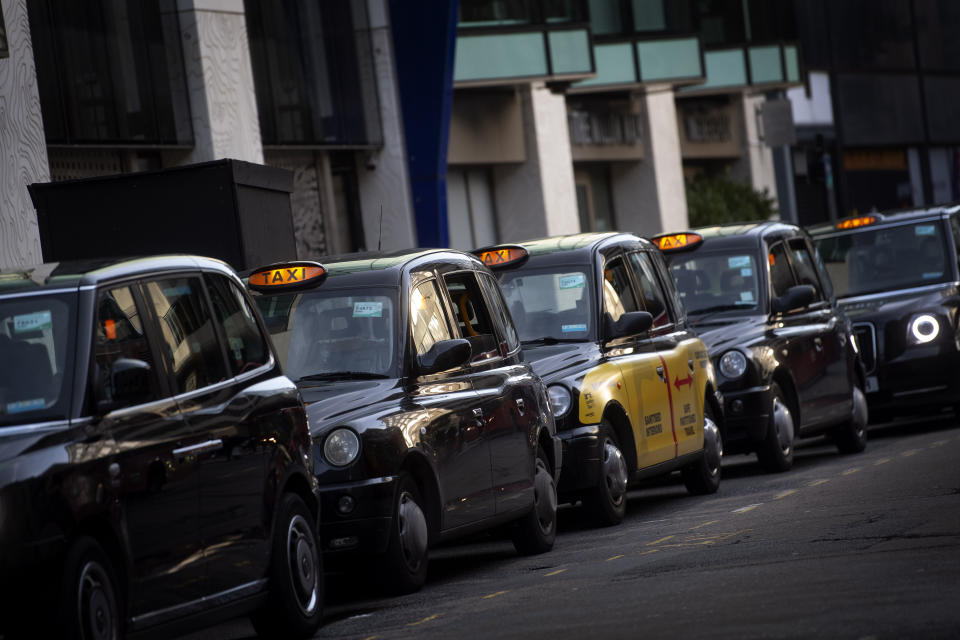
862	546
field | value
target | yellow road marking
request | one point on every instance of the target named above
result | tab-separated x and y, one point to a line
650	544
784	494
881	461
749	507
911	452
648	551
614	558
819	482
704	524
494	595
427	619
938	443
553	573
371	638
850	472
678	545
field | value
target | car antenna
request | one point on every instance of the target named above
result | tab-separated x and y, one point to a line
380	234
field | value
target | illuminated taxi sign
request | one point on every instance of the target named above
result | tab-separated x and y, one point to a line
677	241
287	276
496	257
854	223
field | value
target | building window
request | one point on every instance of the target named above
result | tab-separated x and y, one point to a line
471	215
594	199
871	34
506	13
938	22
110	73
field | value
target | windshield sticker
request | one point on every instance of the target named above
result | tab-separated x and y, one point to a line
573	328
367	309
236	346
574	281
746	296
33	322
25	405
176	292
934	274
735	262
746	272
925	230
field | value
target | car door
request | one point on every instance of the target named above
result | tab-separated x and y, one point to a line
159	489
453	436
675	349
642	370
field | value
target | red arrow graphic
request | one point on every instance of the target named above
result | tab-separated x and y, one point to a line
677	382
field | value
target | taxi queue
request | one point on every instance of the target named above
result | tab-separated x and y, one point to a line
439	394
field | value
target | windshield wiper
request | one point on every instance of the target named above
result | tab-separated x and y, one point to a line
348	375
552	340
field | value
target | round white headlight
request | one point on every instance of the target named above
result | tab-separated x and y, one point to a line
341	447
560	400
733	364
924	328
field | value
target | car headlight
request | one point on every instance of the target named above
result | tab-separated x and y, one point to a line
733	364
923	328
560	400
341	447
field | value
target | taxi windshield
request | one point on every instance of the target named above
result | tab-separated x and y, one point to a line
36	357
870	260
719	281
550	304
333	333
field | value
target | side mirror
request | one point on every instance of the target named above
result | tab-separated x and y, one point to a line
130	381
443	355
629	324
796	297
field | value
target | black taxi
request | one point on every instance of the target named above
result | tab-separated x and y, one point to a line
154	461
427	423
786	361
631	386
896	276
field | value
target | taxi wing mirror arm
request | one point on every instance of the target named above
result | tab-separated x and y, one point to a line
443	355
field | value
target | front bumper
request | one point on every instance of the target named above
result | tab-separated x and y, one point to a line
365	528
746	416
921	379
581	459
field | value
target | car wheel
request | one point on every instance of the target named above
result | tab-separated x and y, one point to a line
776	451
703	476
89	600
537	530
295	605
607	502
404	566
851	436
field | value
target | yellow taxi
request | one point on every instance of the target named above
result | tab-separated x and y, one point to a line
631	386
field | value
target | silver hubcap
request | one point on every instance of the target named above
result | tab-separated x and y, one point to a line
783	423
96	604
302	564
413	531
713	446
614	472
545	498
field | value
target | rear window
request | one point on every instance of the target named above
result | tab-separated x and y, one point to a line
36	351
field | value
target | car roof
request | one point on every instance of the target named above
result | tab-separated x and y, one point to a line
574	248
80	273
892	217
741	235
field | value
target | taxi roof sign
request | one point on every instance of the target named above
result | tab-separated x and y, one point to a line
859	221
502	256
677	241
289	275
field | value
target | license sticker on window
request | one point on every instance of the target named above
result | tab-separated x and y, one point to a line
932	274
746	296
32	322
573	328
735	262
925	230
367	309
236	346
25	405
746	272
575	281
176	292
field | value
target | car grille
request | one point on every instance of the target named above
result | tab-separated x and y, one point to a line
867	341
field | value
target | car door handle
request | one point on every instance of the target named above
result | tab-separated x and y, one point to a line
690	364
520	405
818	343
478	413
660	373
201	447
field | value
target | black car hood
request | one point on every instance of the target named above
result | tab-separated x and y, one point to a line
721	334
898	303
553	361
338	402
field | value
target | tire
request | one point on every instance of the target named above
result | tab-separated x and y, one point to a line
703	476
776	451
294	608
403	568
90	606
537	530
606	503
851	436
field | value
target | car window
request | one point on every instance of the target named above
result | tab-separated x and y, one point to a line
555	302
427	317
781	277
187	332
617	294
119	334
505	324
719	281
246	348
955	227
471	313
654	301
805	267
